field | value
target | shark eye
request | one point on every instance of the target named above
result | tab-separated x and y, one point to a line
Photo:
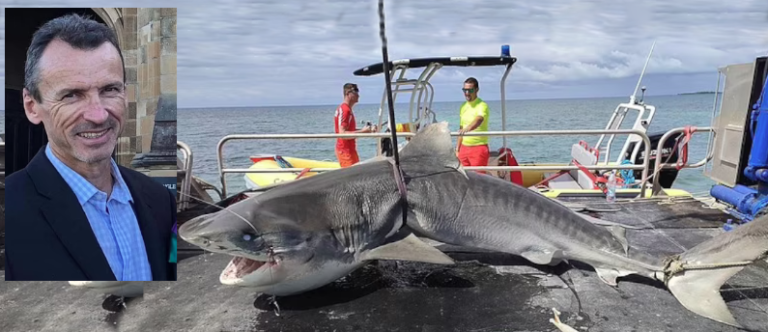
247	237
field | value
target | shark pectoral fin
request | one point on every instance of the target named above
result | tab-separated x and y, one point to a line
542	256
620	234
410	248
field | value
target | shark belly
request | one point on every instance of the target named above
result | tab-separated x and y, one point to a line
327	273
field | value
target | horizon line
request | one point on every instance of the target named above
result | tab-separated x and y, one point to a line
449	101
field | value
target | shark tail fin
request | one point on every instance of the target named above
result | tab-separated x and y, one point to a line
698	290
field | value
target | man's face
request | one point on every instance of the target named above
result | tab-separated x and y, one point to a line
470	91
82	101
354	96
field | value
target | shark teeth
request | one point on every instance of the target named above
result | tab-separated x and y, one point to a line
239	267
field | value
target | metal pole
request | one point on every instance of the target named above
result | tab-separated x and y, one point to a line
504	104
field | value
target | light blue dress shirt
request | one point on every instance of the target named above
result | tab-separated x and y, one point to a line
112	220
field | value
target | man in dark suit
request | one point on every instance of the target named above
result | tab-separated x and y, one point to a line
73	214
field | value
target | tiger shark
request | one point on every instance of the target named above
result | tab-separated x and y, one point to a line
304	234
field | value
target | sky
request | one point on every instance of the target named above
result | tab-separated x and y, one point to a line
292	52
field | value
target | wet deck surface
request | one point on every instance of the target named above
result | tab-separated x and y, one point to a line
484	292
55	306
661	213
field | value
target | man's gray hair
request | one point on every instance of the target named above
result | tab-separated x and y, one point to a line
79	32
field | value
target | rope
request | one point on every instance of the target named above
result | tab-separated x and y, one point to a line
388	79
682	147
399	178
673	265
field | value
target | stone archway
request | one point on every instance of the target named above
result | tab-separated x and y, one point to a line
113	18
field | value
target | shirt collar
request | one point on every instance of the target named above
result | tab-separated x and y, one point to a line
83	189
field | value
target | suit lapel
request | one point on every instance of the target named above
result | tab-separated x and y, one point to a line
67	218
153	243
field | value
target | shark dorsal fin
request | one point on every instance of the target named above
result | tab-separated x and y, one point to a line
434	142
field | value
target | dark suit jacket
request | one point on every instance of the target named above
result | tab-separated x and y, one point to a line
48	236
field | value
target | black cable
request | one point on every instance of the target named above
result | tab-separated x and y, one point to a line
399	177
388	83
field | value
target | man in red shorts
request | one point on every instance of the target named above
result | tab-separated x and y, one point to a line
344	123
473	150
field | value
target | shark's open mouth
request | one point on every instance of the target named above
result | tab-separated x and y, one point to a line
239	267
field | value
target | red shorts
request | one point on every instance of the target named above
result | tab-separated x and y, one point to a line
474	156
347	157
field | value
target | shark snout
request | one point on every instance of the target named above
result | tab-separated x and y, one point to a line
192	230
221	233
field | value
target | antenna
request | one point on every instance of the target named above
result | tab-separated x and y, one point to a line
634	94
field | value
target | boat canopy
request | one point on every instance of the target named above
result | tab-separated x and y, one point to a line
464	61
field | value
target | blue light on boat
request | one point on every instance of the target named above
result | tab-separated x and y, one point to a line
505	51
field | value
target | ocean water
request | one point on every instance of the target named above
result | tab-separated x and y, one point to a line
202	128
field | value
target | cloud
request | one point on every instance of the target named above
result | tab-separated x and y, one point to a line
233	53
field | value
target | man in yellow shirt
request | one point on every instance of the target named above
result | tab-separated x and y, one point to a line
473	150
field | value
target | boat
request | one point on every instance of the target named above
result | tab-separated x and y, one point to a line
477	293
552	179
260	180
640	173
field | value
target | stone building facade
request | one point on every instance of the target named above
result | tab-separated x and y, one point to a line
147	38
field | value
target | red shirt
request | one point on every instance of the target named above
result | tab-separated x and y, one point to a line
346	120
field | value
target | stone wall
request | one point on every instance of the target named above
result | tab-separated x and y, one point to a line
149	47
130	141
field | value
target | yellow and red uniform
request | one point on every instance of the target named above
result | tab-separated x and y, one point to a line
474	150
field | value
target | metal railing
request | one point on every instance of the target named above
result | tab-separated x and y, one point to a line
658	166
186	183
646	162
616	120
